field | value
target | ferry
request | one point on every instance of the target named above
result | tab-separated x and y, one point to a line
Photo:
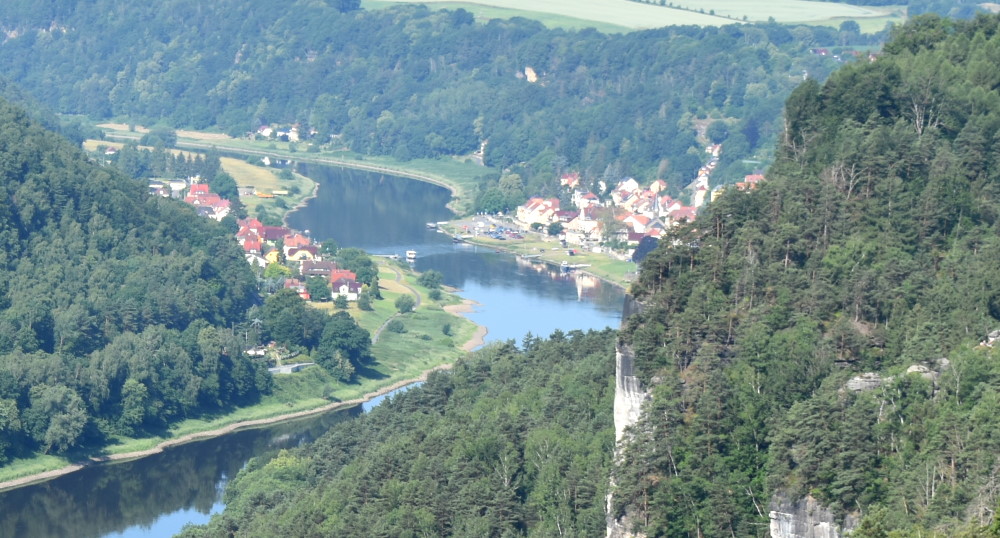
411	255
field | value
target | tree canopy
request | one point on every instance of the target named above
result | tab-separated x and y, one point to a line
870	249
114	303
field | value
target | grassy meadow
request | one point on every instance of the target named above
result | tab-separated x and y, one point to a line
625	15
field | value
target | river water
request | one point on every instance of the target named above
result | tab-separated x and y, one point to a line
158	495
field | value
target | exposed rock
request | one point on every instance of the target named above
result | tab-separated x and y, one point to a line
865	381
629	393
805	518
990	338
923	371
629	397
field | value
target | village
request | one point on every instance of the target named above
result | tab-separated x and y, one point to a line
290	253
629	214
613	228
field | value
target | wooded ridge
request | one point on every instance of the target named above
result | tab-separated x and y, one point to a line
872	248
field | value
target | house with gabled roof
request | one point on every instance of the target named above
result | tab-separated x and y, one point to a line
540	210
251	245
317	268
638	223
338	274
273	233
347	288
683	214
585	199
296	240
749	182
298	254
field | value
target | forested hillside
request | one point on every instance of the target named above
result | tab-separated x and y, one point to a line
410	82
508	443
114	305
873	247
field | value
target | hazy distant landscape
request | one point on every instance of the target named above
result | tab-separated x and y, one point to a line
623	15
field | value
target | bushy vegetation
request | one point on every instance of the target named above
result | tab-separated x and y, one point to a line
872	247
509	442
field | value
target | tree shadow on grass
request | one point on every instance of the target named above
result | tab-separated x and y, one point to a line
368	372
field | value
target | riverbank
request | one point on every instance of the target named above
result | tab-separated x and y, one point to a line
542	248
459	175
479	336
230	428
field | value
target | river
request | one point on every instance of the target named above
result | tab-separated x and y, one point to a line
158	495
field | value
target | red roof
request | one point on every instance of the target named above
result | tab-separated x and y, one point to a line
251	223
199	188
251	245
338	274
684	213
296	240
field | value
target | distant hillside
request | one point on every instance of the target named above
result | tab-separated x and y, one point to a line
411	82
872	249
114	305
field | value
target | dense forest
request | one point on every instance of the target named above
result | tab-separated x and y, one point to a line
121	312
510	442
115	306
822	335
411	82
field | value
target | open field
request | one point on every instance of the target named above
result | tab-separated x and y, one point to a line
614	15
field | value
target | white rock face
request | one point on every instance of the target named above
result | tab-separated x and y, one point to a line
629	394
865	381
629	397
805	518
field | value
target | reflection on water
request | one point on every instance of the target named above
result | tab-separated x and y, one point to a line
131	498
516	298
386	215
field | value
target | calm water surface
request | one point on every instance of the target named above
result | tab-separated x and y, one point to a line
158	495
514	297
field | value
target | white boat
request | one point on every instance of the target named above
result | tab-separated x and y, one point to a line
411	255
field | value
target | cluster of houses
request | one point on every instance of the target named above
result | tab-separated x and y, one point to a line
261	243
287	133
642	211
207	203
261	248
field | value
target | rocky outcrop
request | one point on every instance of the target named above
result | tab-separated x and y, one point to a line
629	392
629	397
805	518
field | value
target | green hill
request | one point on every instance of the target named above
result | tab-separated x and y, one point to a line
114	305
871	248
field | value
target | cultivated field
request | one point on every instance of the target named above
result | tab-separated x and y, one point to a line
625	15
